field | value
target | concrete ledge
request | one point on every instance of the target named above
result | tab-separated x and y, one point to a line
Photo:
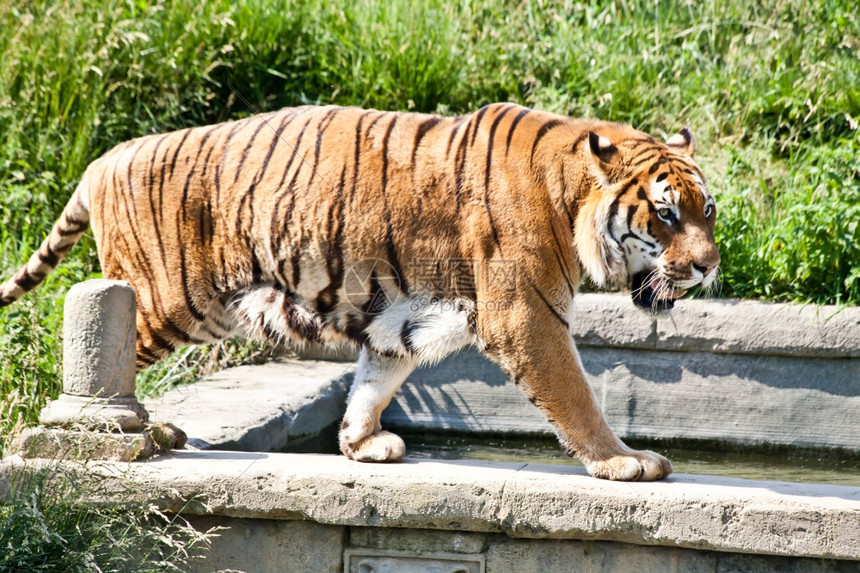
521	501
721	326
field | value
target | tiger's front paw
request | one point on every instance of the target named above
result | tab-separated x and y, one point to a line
631	466
379	447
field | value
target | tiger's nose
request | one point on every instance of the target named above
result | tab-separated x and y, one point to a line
707	266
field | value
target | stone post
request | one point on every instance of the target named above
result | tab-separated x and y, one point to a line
97	416
98	360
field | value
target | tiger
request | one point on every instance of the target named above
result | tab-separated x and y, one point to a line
408	236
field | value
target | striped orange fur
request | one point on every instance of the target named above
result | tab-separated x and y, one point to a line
408	235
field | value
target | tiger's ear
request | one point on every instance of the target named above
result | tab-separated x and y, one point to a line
603	156
682	142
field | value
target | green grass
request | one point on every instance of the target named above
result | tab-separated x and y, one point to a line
772	93
50	524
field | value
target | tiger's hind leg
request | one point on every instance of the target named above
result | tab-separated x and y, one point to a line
376	380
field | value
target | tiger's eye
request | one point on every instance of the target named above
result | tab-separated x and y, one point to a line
665	213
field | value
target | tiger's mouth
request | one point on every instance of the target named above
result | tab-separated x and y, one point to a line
654	294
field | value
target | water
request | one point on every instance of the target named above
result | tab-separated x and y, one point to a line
785	465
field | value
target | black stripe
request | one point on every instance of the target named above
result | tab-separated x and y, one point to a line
297	272
493	128
211	148
157	339
564	270
153	158
327	298
68	231
660	161
69	220
202	143
631	212
220	167
204	220
550	307
545	128
25	280
186	290
129	176
452	136
289	191
477	119
390	249
373	123
514	123
152	205
176	152
385	140
357	157
256	268
661	177
183	203
406	331
422	130
459	167
248	147
147	272
50	258
277	228
643	159
242	202
562	263
248	197
321	127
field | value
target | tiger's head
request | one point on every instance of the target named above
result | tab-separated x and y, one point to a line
648	221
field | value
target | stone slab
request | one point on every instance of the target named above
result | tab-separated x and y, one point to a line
742	399
521	501
123	413
719	325
258	408
64	444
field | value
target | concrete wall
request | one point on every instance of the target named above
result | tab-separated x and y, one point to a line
269	546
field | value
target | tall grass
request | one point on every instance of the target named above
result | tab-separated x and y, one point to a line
50	522
770	91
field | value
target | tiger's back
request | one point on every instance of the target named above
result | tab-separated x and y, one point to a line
216	227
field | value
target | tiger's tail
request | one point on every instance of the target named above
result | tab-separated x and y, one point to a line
73	222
